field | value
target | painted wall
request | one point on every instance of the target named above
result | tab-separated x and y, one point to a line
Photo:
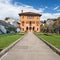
25	22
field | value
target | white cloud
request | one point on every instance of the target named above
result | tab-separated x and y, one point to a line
56	8
46	16
5	1
9	10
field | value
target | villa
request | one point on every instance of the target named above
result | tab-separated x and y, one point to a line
29	21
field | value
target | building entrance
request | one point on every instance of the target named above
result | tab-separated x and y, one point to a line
30	27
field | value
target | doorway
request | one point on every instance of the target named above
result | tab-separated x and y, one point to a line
27	28
33	28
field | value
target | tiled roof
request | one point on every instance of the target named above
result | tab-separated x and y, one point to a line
30	13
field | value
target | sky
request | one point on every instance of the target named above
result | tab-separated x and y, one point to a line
48	8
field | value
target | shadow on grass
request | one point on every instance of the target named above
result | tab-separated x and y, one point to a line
1	49
47	34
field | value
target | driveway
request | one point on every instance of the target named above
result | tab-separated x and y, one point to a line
30	48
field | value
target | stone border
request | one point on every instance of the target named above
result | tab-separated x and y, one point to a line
10	46
56	50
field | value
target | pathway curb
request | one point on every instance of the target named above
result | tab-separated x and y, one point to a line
10	46
56	50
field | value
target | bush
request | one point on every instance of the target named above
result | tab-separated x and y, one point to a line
9	29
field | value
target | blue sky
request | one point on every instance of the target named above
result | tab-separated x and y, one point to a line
48	4
48	8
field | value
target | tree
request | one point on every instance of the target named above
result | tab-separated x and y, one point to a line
56	25
9	29
7	18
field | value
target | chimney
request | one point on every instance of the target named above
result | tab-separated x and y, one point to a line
21	11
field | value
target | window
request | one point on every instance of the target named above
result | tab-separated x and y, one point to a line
22	23
22	29
37	17
30	22
27	22
30	17
33	28
33	22
26	28
37	23
37	29
23	17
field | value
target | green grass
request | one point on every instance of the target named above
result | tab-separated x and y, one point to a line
51	38
7	39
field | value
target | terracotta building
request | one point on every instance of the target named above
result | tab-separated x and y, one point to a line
30	21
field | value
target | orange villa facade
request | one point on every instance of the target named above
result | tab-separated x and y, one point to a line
29	21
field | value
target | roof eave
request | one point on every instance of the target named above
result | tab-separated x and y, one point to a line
30	14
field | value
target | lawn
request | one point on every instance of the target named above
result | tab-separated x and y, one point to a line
51	38
7	39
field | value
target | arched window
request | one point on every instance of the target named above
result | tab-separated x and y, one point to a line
37	29
22	23
26	28
33	28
